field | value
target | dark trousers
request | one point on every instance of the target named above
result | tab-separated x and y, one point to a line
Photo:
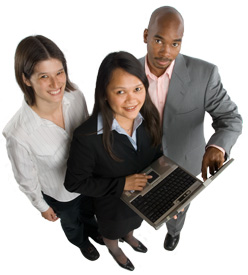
76	217
175	226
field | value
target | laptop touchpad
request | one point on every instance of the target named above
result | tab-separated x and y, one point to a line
154	176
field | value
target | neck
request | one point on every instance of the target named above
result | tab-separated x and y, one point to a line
46	109
52	112
126	124
156	71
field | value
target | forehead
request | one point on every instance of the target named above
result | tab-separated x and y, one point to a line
120	77
167	27
48	65
120	74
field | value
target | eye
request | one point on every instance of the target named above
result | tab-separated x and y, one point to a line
120	92
44	76
175	45
137	89
158	41
60	72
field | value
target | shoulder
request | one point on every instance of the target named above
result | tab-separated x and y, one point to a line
142	60
88	128
14	126
76	95
16	132
195	62
76	107
85	138
195	68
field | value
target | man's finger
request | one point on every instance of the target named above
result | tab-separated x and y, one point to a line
204	171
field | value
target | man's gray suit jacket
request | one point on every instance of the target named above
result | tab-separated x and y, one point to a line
195	87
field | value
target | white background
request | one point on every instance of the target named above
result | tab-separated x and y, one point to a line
214	239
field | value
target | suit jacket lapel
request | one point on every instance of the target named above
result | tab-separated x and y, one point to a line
179	81
140	133
122	139
178	87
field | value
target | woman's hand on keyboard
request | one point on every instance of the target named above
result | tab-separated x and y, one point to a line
136	182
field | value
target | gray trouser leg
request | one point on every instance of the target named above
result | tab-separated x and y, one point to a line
175	226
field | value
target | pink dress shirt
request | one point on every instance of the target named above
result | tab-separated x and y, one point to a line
159	86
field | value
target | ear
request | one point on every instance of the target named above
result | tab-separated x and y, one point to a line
26	81
145	35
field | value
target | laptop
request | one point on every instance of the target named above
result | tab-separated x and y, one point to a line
170	190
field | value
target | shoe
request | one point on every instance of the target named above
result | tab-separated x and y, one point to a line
128	265
170	242
139	248
90	252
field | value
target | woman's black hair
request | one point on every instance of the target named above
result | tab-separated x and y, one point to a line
130	64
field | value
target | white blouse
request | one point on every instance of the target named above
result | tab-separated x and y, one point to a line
38	149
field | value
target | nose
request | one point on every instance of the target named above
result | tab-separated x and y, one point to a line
54	82
165	50
130	97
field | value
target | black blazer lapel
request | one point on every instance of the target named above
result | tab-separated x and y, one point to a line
119	138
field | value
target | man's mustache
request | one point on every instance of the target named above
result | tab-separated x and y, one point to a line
163	59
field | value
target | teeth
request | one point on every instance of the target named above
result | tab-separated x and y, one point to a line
55	92
130	108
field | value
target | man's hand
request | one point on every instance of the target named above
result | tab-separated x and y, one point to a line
214	159
49	215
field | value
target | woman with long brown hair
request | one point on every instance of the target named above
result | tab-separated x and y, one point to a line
39	135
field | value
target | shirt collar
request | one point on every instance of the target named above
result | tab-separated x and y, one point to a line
168	71
115	125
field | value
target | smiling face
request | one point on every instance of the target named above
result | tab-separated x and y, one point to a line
48	82
126	95
163	38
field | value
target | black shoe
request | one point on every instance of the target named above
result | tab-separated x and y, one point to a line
90	252
128	265
139	248
170	242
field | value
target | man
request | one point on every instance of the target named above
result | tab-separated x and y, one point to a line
183	88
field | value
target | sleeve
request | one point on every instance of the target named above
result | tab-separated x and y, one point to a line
81	176
227	122
25	173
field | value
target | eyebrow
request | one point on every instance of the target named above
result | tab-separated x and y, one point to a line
116	88
160	37
62	69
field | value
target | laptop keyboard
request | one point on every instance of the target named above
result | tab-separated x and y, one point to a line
160	199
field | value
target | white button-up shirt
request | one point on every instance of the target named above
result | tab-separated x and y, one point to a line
38	149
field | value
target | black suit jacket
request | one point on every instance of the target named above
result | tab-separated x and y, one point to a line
92	172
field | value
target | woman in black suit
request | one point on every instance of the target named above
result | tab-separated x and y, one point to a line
113	146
